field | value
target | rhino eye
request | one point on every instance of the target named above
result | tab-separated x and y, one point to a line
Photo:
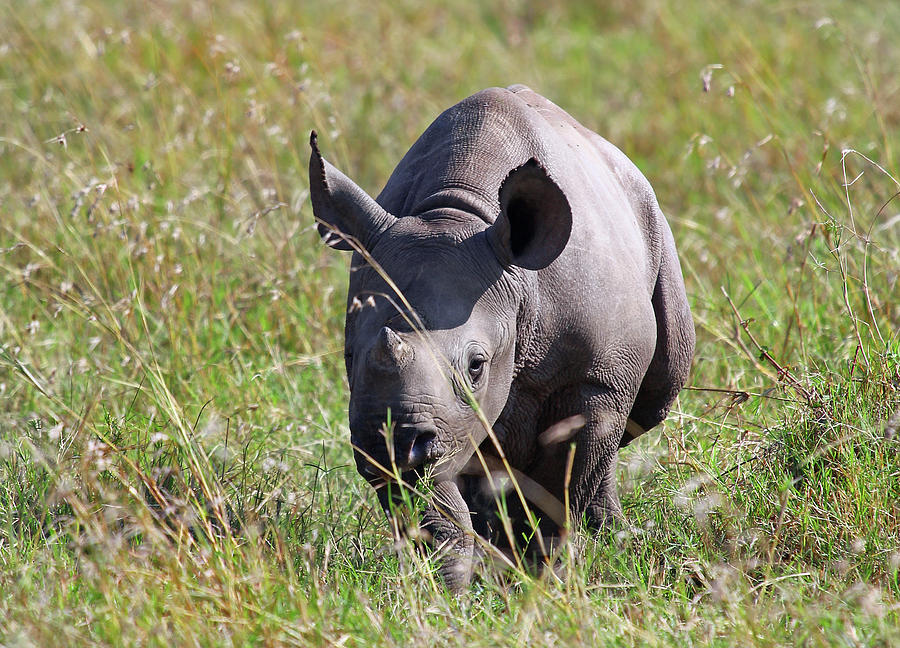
476	367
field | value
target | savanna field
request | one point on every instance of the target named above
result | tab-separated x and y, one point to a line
175	465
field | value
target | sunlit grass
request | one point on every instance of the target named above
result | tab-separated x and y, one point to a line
174	459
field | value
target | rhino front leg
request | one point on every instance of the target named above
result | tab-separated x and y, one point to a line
593	492
448	521
603	509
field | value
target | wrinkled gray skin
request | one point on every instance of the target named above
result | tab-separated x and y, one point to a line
546	277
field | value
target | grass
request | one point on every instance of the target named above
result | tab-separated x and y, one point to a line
174	456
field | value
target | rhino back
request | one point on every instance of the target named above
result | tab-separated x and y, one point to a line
463	157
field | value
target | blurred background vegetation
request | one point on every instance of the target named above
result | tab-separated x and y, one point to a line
174	457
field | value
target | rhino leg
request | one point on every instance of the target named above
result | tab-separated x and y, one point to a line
668	371
604	510
448	521
592	490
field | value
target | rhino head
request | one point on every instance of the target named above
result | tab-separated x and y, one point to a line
434	304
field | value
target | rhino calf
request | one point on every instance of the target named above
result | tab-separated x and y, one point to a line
515	271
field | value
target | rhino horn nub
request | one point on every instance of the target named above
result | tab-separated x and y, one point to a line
389	350
343	210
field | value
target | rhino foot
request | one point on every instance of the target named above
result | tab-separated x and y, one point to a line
449	523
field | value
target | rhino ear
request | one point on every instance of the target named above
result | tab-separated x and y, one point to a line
535	219
341	208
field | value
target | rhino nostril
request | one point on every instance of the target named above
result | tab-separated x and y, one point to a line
417	449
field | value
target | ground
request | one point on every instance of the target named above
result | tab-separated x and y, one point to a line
174	456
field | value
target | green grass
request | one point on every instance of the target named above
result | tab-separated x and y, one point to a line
175	464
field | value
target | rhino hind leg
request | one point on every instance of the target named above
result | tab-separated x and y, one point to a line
671	363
